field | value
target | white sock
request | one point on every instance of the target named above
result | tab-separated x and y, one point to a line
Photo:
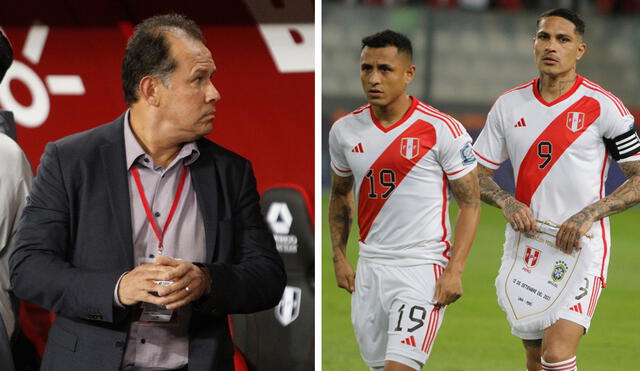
566	365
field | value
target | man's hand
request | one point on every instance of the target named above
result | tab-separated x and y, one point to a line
568	237
625	196
448	289
190	282
345	275
136	284
518	215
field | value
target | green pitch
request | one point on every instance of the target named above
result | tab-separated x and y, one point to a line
475	335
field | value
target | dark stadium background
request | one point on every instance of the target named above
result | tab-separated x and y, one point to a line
466	56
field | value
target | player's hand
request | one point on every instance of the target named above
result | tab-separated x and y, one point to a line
568	237
345	275
136	285
448	288
519	215
190	282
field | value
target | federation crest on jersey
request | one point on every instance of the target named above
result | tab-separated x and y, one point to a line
559	269
410	147
289	307
575	121
531	257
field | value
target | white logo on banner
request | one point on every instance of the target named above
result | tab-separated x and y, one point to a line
280	219
289	307
36	114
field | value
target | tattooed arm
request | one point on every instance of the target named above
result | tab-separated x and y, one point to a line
341	205
517	214
627	195
467	194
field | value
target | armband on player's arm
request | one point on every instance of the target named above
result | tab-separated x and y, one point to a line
623	146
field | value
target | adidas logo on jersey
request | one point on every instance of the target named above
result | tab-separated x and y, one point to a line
520	124
358	148
409	341
576	308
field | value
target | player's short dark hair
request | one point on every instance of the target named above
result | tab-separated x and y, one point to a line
567	14
6	55
389	38
148	52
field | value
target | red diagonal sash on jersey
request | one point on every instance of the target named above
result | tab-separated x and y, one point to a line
560	134
392	159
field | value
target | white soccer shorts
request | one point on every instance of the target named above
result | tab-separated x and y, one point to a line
392	313
580	310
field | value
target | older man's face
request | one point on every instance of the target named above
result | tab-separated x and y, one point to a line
187	104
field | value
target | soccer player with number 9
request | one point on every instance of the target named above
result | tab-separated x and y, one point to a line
560	132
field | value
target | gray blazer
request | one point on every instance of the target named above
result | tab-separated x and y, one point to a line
75	240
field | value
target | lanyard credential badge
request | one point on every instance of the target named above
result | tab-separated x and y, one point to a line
151	313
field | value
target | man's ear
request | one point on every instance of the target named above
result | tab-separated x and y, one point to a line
149	89
582	48
409	74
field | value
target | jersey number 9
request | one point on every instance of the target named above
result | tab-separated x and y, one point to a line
544	152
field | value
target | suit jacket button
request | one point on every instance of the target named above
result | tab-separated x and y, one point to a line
119	344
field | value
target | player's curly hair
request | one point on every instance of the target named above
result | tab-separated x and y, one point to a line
389	38
148	52
567	14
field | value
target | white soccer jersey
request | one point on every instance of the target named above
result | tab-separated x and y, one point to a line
560	150
401	177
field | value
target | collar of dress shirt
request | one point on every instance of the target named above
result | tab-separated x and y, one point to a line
134	151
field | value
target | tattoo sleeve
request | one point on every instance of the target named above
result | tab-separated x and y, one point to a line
341	208
625	196
490	192
466	191
467	194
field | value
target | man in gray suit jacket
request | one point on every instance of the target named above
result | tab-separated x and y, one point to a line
140	234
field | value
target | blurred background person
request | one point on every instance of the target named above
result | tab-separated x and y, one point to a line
16	177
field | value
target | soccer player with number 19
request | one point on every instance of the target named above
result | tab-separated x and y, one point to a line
405	158
560	132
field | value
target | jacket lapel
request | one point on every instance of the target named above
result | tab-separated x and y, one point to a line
204	178
116	180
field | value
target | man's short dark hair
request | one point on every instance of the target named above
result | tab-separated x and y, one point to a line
389	38
567	14
148	52
6	55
